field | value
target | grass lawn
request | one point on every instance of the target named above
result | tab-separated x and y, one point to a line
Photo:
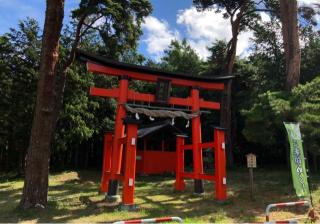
73	197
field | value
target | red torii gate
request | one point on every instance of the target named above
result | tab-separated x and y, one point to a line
125	130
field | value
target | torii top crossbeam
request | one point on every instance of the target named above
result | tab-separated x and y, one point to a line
99	64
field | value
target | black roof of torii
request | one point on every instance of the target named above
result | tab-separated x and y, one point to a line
89	57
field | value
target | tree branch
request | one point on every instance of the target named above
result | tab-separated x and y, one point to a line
252	28
235	10
258	10
258	3
75	43
228	9
88	26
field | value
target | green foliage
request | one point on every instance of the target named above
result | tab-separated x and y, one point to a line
216	62
75	123
266	115
83	118
19	62
310	66
259	105
180	57
306	101
271	109
267	61
118	22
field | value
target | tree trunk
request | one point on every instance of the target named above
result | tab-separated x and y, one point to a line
1	158
6	156
315	162
86	158
226	101
76	159
21	159
288	16
232	50
35	189
225	120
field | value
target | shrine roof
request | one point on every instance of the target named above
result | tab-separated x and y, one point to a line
159	126
89	57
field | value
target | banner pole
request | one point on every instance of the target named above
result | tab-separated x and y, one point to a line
312	213
306	158
308	175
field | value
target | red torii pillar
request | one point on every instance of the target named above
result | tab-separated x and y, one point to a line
179	183
196	140
119	129
129	172
220	164
106	166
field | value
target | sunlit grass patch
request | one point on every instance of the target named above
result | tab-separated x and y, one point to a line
73	197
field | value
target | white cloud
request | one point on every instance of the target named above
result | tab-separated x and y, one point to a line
317	17
158	36
204	25
308	2
200	46
203	28
312	4
265	17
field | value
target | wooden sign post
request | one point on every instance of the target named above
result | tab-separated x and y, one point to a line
251	163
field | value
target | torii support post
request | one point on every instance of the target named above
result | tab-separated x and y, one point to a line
118	133
107	147
129	164
196	141
220	164
180	184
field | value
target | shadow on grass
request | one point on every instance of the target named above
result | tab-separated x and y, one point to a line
72	199
271	188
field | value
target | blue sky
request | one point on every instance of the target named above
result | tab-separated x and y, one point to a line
171	19
165	10
11	11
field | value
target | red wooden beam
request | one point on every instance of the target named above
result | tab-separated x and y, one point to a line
209	105
122	140
199	176
112	93
207	145
146	97
188	175
186	147
207	177
102	69
114	176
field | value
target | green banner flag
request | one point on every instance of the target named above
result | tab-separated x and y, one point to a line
298	169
